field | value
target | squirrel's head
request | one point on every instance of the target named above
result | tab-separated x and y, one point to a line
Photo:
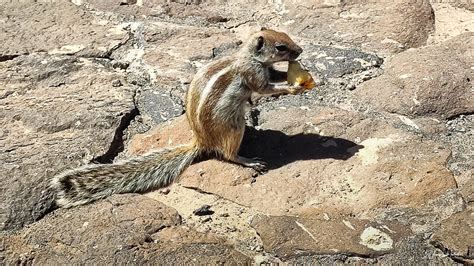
269	46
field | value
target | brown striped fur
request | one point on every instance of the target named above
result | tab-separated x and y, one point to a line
215	104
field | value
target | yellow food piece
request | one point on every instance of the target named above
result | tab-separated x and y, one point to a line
299	76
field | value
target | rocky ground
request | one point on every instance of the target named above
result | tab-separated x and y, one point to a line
375	165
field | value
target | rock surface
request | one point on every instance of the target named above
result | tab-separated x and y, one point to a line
447	237
347	158
57	112
71	31
429	81
451	21
372	166
288	237
384	27
118	230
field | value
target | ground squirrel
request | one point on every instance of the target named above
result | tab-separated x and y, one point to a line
215	104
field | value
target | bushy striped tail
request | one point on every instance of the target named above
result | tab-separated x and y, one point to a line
151	171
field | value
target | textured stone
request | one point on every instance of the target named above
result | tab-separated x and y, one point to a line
289	236
168	51
319	147
430	81
123	229
84	80
463	4
333	62
465	183
65	29
460	136
158	105
456	236
376	26
169	134
409	251
450	21
58	112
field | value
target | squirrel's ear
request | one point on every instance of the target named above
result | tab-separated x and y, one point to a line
263	28
260	42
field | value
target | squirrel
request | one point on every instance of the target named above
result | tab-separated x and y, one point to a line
215	109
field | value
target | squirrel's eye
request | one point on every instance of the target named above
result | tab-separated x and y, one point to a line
281	48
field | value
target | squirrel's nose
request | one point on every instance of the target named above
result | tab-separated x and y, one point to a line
299	50
296	52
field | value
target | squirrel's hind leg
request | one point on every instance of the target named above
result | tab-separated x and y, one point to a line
232	142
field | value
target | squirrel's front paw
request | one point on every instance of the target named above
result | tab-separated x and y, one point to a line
296	89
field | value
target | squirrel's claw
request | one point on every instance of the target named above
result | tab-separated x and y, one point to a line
255	163
258	165
261	168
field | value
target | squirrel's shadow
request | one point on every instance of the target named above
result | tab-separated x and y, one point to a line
278	149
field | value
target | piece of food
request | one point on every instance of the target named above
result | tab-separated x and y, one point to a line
299	76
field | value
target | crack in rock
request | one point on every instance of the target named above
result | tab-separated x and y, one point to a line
7	57
466	260
117	144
